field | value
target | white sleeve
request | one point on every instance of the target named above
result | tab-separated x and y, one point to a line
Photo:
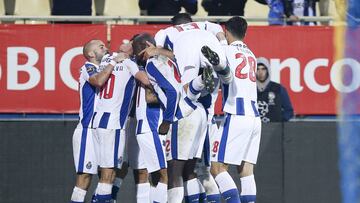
160	37
131	66
213	27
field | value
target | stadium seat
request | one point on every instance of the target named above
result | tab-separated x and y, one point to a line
255	9
121	8
2	8
32	8
201	11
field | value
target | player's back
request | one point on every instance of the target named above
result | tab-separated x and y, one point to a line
88	94
240	96
169	36
115	98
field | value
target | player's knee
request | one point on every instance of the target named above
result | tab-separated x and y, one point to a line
163	176
107	175
121	173
246	169
141	176
83	181
217	168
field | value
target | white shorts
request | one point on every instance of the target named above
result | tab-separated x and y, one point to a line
185	139
135	160
238	140
85	148
111	147
212	131
152	149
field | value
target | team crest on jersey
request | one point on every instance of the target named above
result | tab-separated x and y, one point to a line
89	165
271	97
90	68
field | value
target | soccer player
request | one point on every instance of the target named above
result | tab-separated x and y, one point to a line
191	43
152	123
237	142
84	144
110	119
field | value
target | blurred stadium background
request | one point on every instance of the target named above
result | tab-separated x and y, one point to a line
312	158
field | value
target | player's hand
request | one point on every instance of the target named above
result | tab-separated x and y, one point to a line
150	51
164	127
120	57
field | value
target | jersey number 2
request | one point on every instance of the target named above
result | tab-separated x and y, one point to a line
108	88
249	60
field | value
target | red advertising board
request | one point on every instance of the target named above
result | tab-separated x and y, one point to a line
301	59
40	66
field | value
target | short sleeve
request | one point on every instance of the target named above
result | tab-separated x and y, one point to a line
160	37
131	66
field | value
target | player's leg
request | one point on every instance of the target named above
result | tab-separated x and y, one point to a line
153	150
112	144
203	168
246	169
214	53
175	182
248	185
120	174
192	186
85	162
226	184
141	178
225	152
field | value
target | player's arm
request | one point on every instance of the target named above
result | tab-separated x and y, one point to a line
170	92
216	30
150	96
99	79
152	50
139	75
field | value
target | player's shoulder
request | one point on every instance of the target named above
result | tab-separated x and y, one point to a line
90	68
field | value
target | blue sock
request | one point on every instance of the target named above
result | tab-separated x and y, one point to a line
202	198
192	198
247	198
231	196
216	198
102	198
114	192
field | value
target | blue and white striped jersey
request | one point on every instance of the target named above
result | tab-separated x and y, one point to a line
115	96
240	96
165	78
88	95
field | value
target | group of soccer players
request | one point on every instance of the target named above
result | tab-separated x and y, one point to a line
151	105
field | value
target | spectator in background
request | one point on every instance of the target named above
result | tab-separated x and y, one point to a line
273	99
71	7
324	9
305	8
166	7
279	9
224	7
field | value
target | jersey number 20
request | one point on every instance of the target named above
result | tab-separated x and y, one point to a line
249	60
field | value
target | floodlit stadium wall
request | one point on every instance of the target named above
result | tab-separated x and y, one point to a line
39	64
297	163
